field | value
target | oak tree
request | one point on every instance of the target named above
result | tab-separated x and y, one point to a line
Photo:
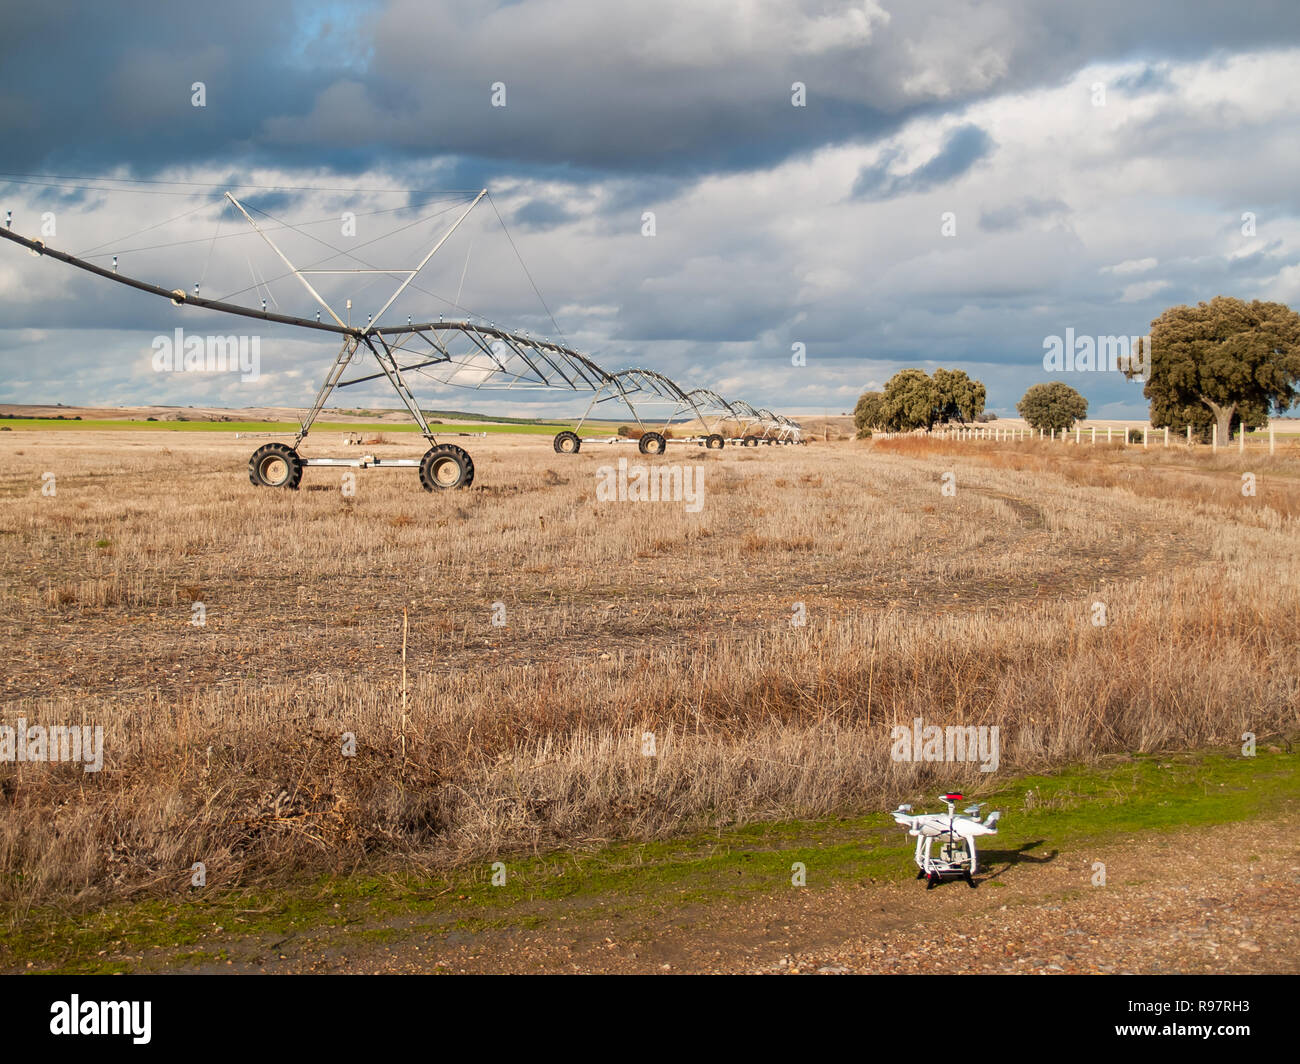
1052	407
1225	362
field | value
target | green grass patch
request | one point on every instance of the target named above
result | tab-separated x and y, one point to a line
321	428
1097	804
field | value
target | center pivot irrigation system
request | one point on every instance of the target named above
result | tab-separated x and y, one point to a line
463	354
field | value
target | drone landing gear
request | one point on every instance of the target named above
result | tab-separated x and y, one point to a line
956	860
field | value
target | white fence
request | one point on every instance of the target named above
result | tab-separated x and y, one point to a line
1079	436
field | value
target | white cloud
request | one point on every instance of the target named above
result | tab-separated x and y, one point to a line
1136	293
1132	266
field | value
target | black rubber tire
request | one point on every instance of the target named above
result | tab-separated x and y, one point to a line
930	881
275	465
714	442
749	441
652	443
970	882
567	442
445	467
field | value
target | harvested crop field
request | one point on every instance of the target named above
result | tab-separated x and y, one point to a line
647	679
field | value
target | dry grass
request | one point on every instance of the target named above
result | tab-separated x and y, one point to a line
1191	475
224	743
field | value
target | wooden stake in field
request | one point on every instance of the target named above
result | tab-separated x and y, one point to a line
404	627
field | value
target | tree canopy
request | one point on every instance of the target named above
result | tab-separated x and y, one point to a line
1224	362
868	415
912	399
1052	407
958	397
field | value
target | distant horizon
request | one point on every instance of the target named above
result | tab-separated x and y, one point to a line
6	407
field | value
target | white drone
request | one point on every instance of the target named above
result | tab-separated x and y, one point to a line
957	851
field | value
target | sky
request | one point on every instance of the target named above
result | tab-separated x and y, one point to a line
838	190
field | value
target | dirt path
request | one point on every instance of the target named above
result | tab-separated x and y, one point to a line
1223	899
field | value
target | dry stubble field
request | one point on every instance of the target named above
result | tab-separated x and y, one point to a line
223	743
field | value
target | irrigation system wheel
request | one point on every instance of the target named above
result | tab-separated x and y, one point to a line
652	443
567	442
714	442
749	441
275	465
446	466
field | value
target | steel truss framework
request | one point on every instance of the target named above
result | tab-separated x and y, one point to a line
635	388
751	421
460	354
708	400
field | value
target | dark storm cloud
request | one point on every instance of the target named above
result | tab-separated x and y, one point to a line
682	88
89	86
